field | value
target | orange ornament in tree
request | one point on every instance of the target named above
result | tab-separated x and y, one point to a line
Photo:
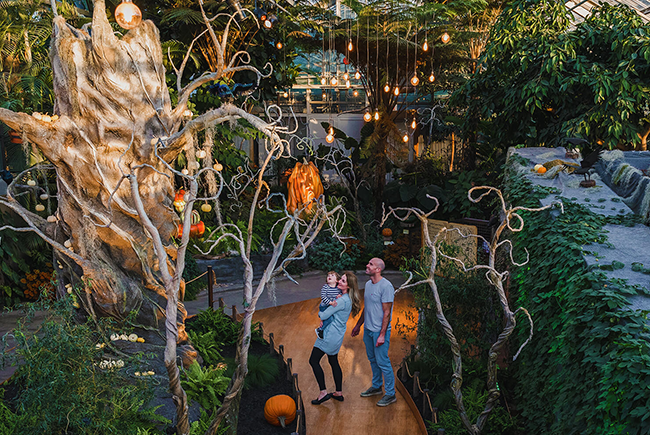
179	200
304	187
386	232
197	227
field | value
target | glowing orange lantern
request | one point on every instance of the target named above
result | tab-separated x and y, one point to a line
304	187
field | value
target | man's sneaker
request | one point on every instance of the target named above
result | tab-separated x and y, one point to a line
386	400
372	392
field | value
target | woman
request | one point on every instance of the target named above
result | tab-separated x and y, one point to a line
333	335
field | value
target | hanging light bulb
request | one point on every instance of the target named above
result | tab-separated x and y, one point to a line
347	84
415	80
387	88
425	46
350	46
376	115
334	81
346	76
279	45
357	75
331	131
432	78
367	116
285	94
445	38
355	93
323	80
405	138
329	138
414	124
396	91
128	15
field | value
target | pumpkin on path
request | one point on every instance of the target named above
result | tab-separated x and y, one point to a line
280	410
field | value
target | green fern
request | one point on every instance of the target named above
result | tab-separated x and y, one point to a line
207	346
205	385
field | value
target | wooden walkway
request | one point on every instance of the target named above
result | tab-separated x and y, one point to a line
293	326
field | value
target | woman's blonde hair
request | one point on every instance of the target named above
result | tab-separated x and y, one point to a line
353	292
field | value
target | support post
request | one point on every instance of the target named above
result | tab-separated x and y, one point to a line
271	343
210	289
416	379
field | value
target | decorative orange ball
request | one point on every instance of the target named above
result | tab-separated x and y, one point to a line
280	410
386	232
541	170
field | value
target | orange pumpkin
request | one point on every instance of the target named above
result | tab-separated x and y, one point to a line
386	232
197	227
304	187
280	410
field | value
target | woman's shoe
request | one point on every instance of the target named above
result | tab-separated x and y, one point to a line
339	398
324	399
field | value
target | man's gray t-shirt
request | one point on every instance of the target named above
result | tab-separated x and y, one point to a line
375	295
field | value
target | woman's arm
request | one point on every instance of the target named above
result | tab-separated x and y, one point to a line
333	309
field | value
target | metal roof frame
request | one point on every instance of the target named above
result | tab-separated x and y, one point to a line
580	9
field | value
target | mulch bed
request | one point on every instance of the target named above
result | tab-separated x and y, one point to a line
251	408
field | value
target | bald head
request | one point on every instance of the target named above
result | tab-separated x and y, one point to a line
374	268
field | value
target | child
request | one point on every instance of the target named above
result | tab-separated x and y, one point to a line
328	295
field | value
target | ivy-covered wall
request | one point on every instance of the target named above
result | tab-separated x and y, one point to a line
587	369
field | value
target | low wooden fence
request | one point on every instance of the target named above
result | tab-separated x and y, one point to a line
418	393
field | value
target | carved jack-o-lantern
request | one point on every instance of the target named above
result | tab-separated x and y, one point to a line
304	187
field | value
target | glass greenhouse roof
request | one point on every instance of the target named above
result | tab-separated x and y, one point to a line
582	8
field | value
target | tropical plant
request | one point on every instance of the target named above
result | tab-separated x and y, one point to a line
62	388
542	79
207	346
205	385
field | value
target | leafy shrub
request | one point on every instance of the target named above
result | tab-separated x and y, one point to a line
330	254
190	272
207	345
499	422
225	330
205	385
263	370
63	390
8	419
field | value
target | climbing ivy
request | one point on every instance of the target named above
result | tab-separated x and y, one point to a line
587	369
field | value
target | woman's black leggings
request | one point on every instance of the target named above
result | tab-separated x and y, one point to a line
314	362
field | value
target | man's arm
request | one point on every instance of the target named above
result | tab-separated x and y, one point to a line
357	327
386	306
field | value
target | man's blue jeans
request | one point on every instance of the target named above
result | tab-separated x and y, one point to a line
379	362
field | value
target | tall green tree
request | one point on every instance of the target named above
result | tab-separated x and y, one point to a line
542	80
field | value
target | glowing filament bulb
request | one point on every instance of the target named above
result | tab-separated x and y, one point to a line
128	15
357	75
425	46
346	76
285	94
279	45
415	80
355	93
432	78
387	88
414	124
350	46
396	91
334	81
376	116
329	138
445	38
323	80
405	138
367	116
347	83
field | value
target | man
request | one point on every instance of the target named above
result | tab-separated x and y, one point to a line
376	315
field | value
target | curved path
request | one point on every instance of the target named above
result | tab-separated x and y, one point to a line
293	326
